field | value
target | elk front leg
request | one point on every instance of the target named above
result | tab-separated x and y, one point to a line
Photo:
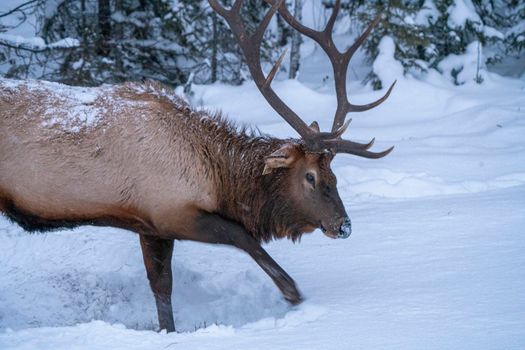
212	228
157	255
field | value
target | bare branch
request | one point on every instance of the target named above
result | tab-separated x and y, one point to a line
19	8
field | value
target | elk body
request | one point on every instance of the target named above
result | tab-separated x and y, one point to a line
137	157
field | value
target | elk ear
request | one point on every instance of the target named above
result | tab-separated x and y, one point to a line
284	157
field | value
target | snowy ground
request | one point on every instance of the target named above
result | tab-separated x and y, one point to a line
436	260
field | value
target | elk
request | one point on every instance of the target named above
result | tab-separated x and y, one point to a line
136	156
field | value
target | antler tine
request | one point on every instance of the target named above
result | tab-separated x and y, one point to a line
339	132
274	69
251	48
349	147
259	33
348	55
362	108
344	106
236	7
221	10
334	144
331	21
339	60
359	41
332	139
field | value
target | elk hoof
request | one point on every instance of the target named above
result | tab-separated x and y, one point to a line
295	300
293	296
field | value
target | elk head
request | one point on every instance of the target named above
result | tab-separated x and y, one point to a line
307	161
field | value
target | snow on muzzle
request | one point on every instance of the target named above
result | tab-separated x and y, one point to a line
346	228
342	231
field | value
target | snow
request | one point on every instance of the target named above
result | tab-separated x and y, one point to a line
21	30
385	65
517	29
64	43
18	40
50	7
16	23
492	32
37	43
435	260
428	14
75	107
460	12
464	68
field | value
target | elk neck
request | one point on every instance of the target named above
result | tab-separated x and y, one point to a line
256	201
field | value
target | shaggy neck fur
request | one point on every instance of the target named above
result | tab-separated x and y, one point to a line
255	200
235	157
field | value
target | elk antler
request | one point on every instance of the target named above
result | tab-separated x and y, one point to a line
251	47
313	140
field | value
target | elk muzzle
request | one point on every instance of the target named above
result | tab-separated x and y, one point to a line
341	229
346	228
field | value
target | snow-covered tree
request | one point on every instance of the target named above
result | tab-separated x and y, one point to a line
215	53
295	50
120	40
427	32
90	42
515	35
173	41
398	21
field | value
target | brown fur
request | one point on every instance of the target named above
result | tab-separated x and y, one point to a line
155	152
153	165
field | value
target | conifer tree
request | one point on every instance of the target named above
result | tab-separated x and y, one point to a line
515	38
427	32
398	22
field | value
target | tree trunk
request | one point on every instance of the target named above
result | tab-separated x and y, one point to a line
117	34
283	31
104	25
295	51
214	44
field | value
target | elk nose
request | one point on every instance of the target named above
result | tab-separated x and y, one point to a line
346	228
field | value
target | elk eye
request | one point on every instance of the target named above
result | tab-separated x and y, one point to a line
310	178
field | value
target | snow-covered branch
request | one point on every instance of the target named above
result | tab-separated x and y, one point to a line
36	44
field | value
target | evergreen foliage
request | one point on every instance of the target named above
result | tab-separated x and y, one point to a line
183	41
397	21
515	40
173	41
426	32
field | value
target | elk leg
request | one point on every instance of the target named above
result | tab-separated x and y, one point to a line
212	228
157	255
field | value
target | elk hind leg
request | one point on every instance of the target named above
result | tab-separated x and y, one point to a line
157	254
